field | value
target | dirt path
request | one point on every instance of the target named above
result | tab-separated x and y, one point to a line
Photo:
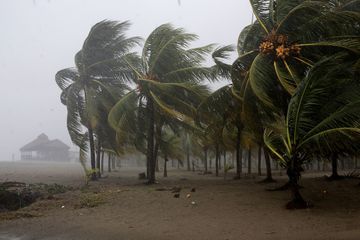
127	209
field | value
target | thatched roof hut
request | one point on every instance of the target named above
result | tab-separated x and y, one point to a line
42	148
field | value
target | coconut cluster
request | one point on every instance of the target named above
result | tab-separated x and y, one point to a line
278	45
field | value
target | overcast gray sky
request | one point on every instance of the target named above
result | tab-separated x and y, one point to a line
40	37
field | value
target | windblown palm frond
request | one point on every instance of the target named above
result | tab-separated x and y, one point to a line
298	33
322	115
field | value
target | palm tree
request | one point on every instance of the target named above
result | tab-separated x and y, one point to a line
167	77
323	116
275	54
96	72
291	35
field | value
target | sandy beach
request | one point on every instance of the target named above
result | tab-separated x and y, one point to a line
218	209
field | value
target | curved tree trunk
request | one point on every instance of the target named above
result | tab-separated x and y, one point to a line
268	167
238	154
92	153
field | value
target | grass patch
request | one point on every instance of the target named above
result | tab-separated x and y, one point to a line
90	200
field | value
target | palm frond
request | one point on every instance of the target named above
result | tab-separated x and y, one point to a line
351	43
263	80
250	38
264	13
276	143
65	77
122	115
222	69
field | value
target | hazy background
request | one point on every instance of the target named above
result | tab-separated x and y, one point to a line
40	37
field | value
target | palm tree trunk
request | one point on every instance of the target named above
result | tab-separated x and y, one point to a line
233	157
98	157
217	158
113	165
334	166
205	161
165	166
102	161
268	167
220	165
158	129
109	162
156	150
147	168
293	172
150	142
188	157
92	153
249	161
259	160
225	162
238	154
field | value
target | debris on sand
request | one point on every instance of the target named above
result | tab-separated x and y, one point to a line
176	189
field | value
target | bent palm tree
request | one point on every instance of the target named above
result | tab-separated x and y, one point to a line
288	37
279	48
167	77
323	116
96	71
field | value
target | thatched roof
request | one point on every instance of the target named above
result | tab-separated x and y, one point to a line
42	142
